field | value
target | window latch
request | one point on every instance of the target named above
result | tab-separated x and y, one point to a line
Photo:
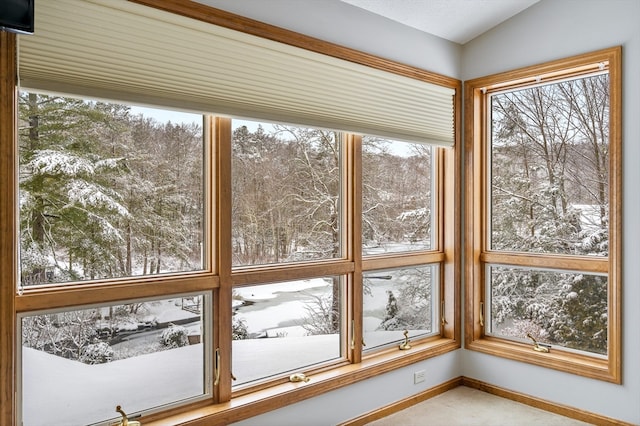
540	347
298	377
443	318
353	334
126	420
216	369
405	345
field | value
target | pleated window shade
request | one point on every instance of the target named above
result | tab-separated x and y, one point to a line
122	51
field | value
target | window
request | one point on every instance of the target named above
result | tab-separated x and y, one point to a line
229	252
544	223
398	196
107	190
285	327
397	300
399	218
146	354
286	194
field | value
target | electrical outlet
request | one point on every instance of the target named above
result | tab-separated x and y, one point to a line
418	377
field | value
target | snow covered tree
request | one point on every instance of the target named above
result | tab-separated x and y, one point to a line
263	230
105	193
64	334
163	187
66	202
391	320
409	302
175	336
321	315
97	353
239	329
396	195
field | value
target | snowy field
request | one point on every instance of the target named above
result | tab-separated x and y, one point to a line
62	392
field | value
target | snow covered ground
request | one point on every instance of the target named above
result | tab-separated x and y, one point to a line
62	392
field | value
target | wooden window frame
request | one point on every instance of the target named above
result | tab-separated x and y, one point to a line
218	275
477	251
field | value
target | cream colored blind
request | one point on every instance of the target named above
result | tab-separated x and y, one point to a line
117	50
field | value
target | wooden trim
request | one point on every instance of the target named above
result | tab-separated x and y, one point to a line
579	64
557	359
399	260
552	407
551	261
246	25
542	404
404	403
477	252
616	254
290	271
253	404
355	299
473	212
40	299
222	135
451	229
8	243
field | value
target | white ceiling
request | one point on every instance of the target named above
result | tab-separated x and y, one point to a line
455	20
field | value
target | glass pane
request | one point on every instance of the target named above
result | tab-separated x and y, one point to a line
286	186
78	365
397	204
396	300
550	168
558	308
287	326
107	190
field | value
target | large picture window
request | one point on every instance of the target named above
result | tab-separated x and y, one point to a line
286	193
544	187
107	190
397	196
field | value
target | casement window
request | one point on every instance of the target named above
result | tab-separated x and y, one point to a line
544	216
168	258
148	354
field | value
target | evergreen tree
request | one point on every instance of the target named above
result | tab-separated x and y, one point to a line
67	205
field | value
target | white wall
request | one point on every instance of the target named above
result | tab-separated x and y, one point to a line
553	29
363	397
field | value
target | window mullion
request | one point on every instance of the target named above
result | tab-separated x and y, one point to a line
582	263
449	241
219	130
8	221
353	179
